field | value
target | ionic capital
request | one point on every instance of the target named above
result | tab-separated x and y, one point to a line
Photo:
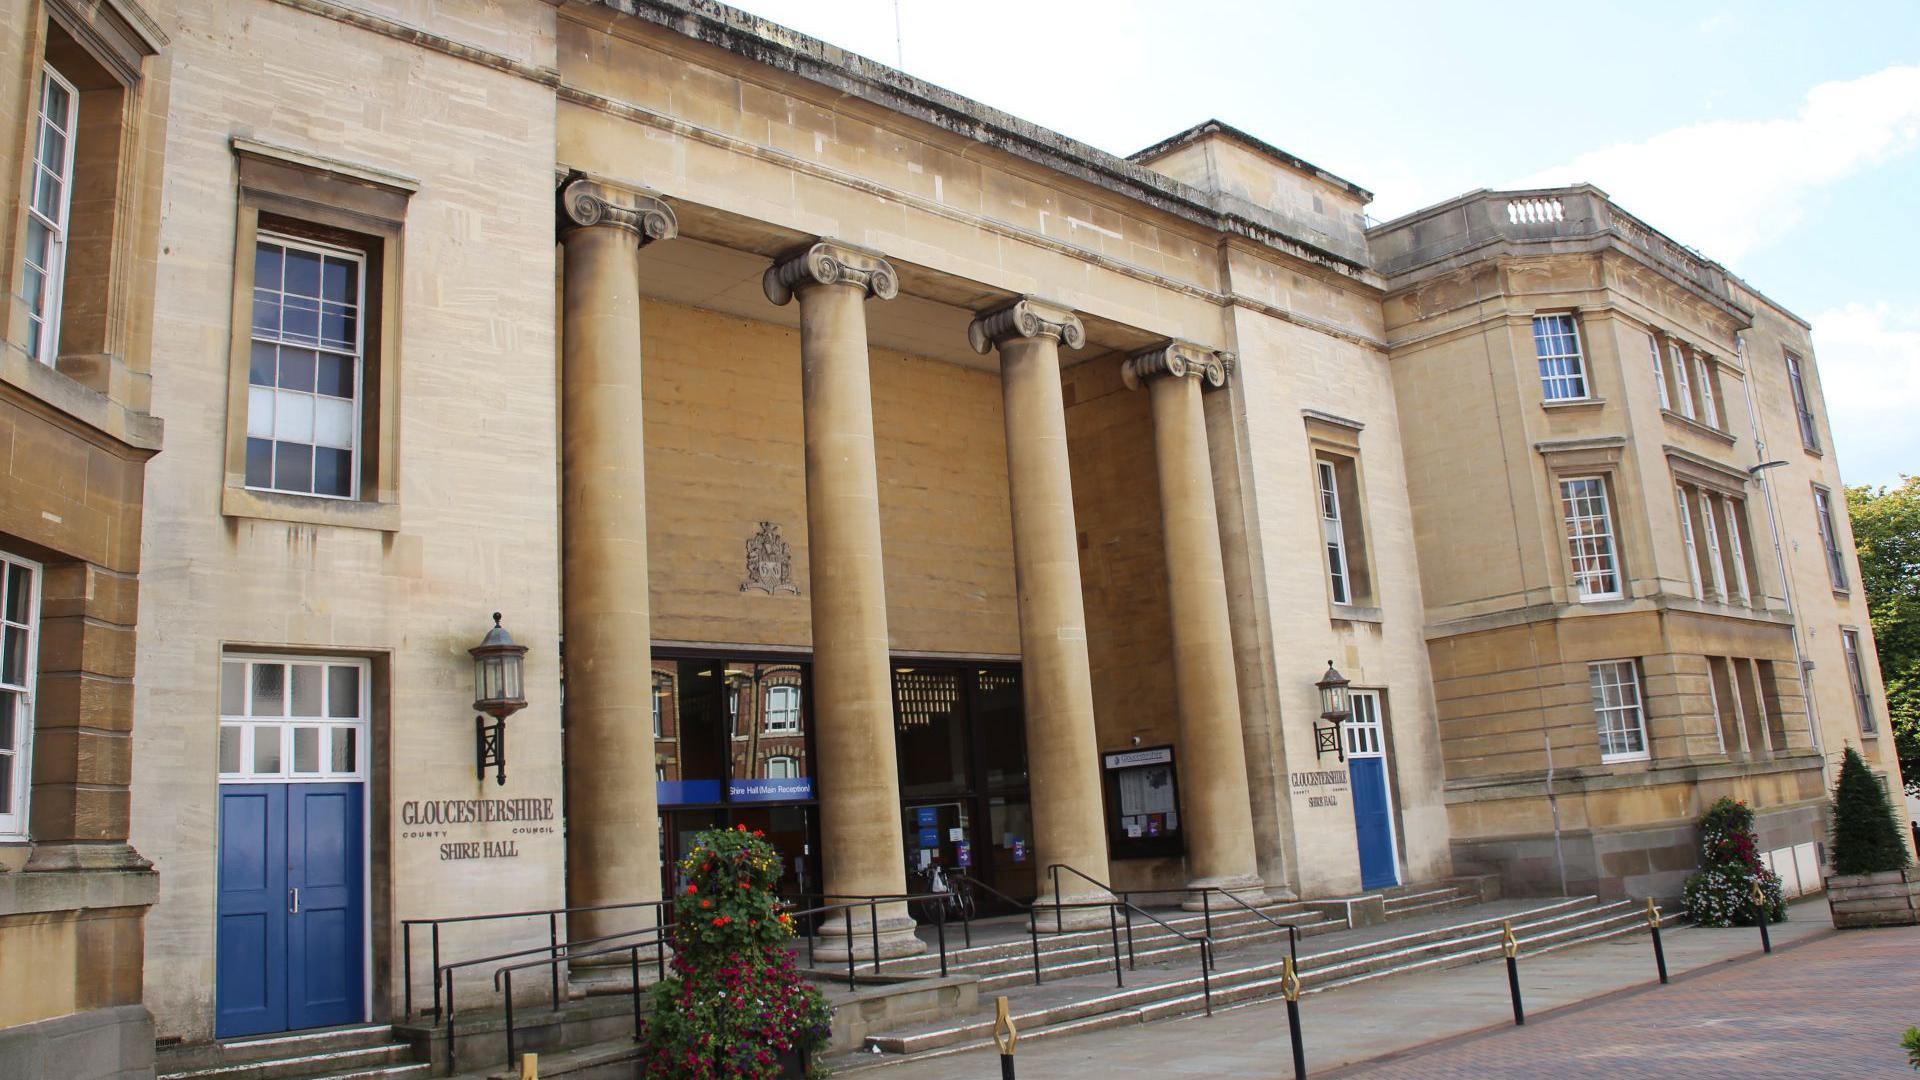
585	203
826	262
1025	318
1177	360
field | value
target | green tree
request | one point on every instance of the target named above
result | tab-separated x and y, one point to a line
1886	530
1866	839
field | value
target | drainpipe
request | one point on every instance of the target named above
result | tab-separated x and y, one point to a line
1759	472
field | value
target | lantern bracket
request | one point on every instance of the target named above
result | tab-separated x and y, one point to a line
490	748
1326	740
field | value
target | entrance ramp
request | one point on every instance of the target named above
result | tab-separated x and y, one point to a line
1077	993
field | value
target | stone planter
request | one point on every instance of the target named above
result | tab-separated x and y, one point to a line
1887	899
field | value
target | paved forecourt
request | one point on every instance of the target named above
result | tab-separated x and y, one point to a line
1394	1016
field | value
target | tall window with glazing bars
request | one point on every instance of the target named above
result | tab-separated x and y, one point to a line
1563	373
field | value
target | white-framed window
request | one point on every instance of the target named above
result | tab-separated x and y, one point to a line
306	372
783	710
1736	511
782	767
733	712
1709	408
1802	407
48	213
1659	372
1616	710
1333	532
1857	680
662	690
1683	385
19	665
1830	537
1590	546
1686	537
1363	732
1710	518
1556	341
293	718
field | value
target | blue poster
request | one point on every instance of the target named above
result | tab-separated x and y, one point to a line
929	838
964	854
1019	851
779	789
926	816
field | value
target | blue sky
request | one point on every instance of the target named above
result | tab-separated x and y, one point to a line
1781	139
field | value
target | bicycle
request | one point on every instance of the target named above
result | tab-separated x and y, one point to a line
954	894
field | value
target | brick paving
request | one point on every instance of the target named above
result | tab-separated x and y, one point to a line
1834	1006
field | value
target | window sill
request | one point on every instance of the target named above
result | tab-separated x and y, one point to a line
1354	613
1699	426
340	513
1624	759
1573	403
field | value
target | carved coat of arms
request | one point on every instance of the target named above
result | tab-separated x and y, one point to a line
769	563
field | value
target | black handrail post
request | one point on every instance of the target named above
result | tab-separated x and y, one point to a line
406	963
436	975
660	946
634	961
1059	924
509	974
1113	926
1206	966
1130	957
847	915
553	946
873	931
452	1059
1033	935
940	919
1206	913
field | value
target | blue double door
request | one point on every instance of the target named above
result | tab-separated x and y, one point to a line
292	908
1372	798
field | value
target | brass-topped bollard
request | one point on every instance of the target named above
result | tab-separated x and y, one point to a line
529	1067
1659	953
1290	986
1760	916
1006	1036
1510	947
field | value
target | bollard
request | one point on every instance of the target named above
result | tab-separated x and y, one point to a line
1290	985
1006	1036
1760	916
1510	946
1659	953
529	1067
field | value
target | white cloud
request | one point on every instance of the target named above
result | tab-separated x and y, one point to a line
1869	371
1728	187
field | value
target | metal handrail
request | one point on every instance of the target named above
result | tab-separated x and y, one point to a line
553	954
1206	913
553	938
1120	901
632	950
872	903
1033	929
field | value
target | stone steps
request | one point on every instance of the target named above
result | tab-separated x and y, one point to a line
360	1052
1541	927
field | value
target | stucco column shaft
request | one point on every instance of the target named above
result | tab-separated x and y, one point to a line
1062	745
860	824
1216	806
613	845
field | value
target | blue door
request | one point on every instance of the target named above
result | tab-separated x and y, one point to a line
1372	805
292	911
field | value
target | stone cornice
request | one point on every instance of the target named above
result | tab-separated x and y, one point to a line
585	203
1025	318
1175	360
828	262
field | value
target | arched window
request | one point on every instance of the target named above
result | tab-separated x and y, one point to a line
782	768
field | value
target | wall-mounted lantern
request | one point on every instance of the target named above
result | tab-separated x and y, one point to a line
497	692
1335	709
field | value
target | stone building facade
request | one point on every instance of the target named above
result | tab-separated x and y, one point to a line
859	464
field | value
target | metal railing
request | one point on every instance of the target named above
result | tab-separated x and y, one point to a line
1119	903
852	902
552	915
503	983
1206	914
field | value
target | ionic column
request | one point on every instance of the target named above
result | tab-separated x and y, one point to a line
613	836
852	678
1062	745
1215	804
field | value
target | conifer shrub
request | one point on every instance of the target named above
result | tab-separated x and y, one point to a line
1866	837
1721	893
734	1005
